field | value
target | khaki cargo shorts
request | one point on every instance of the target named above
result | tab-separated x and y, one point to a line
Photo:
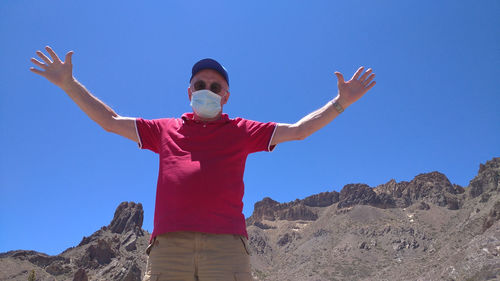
198	256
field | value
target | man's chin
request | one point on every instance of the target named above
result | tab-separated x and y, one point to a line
205	119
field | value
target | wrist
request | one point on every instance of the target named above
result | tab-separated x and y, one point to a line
339	104
341	101
69	84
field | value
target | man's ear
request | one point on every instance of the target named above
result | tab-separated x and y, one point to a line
226	97
190	93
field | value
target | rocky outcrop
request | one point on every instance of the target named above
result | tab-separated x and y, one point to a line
114	252
431	187
128	216
265	209
322	199
133	272
102	253
296	212
362	194
271	210
424	189
487	179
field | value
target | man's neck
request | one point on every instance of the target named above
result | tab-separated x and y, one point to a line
205	120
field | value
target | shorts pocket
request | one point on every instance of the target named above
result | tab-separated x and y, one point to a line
244	241
243	276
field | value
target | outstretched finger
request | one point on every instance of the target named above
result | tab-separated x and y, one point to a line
68	57
37	71
369	78
37	62
356	75
371	85
53	54
44	57
340	77
363	77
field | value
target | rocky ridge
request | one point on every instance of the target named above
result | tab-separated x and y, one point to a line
429	188
424	229
114	252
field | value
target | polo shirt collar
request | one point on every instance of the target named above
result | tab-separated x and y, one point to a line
189	117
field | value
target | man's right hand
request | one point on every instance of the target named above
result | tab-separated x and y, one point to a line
56	71
61	74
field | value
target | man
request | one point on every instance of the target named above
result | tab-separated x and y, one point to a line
199	229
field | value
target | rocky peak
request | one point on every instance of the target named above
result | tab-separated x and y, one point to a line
271	210
354	194
114	252
425	184
487	179
128	216
322	199
362	194
433	187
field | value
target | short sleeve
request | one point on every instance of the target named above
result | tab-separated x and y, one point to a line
149	134
259	135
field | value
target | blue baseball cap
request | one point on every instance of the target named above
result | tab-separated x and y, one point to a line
209	64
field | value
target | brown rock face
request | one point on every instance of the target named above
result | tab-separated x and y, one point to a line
296	212
133	272
322	199
432	187
435	231
112	253
493	216
97	255
427	185
128	216
357	194
80	275
271	210
43	260
265	209
487	179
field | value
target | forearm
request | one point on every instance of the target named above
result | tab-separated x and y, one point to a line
92	106
318	119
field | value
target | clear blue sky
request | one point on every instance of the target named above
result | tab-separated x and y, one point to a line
435	106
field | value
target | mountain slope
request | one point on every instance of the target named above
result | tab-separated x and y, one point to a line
424	229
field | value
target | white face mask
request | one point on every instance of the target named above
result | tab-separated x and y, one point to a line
206	103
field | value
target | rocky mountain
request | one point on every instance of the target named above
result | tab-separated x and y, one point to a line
115	252
424	229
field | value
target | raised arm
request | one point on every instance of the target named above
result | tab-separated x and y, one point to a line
349	92
61	74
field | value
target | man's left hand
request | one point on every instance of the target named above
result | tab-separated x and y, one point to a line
354	89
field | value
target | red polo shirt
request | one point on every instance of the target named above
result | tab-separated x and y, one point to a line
200	180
